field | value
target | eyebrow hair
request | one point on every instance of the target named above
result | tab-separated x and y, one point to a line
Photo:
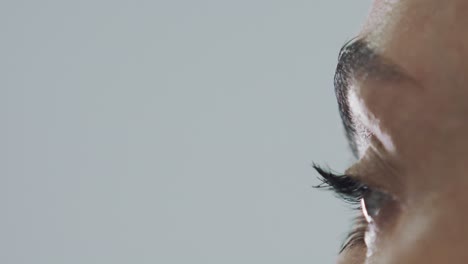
357	60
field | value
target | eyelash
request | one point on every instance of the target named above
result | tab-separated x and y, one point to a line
351	191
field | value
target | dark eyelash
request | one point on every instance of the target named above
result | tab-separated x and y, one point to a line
345	187
351	191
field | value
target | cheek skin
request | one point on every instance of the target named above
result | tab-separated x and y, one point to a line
428	232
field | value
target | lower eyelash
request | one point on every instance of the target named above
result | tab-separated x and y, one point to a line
357	234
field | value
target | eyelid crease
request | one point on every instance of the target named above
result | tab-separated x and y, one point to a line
379	171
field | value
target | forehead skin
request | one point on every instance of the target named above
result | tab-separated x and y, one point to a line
427	123
427	120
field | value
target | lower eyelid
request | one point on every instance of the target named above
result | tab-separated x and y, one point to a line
354	255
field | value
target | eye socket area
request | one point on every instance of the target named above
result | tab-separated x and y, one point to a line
377	208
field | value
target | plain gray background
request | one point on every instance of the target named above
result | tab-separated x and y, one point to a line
170	132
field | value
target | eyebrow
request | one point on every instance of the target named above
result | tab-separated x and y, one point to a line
357	60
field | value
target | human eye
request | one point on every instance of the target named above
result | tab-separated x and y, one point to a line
373	205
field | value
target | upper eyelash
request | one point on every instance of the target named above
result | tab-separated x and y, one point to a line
345	187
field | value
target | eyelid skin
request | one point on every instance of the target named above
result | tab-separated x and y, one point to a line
379	170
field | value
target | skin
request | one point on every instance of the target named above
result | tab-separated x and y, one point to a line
418	147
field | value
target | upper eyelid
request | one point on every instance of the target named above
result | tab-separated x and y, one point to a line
378	173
